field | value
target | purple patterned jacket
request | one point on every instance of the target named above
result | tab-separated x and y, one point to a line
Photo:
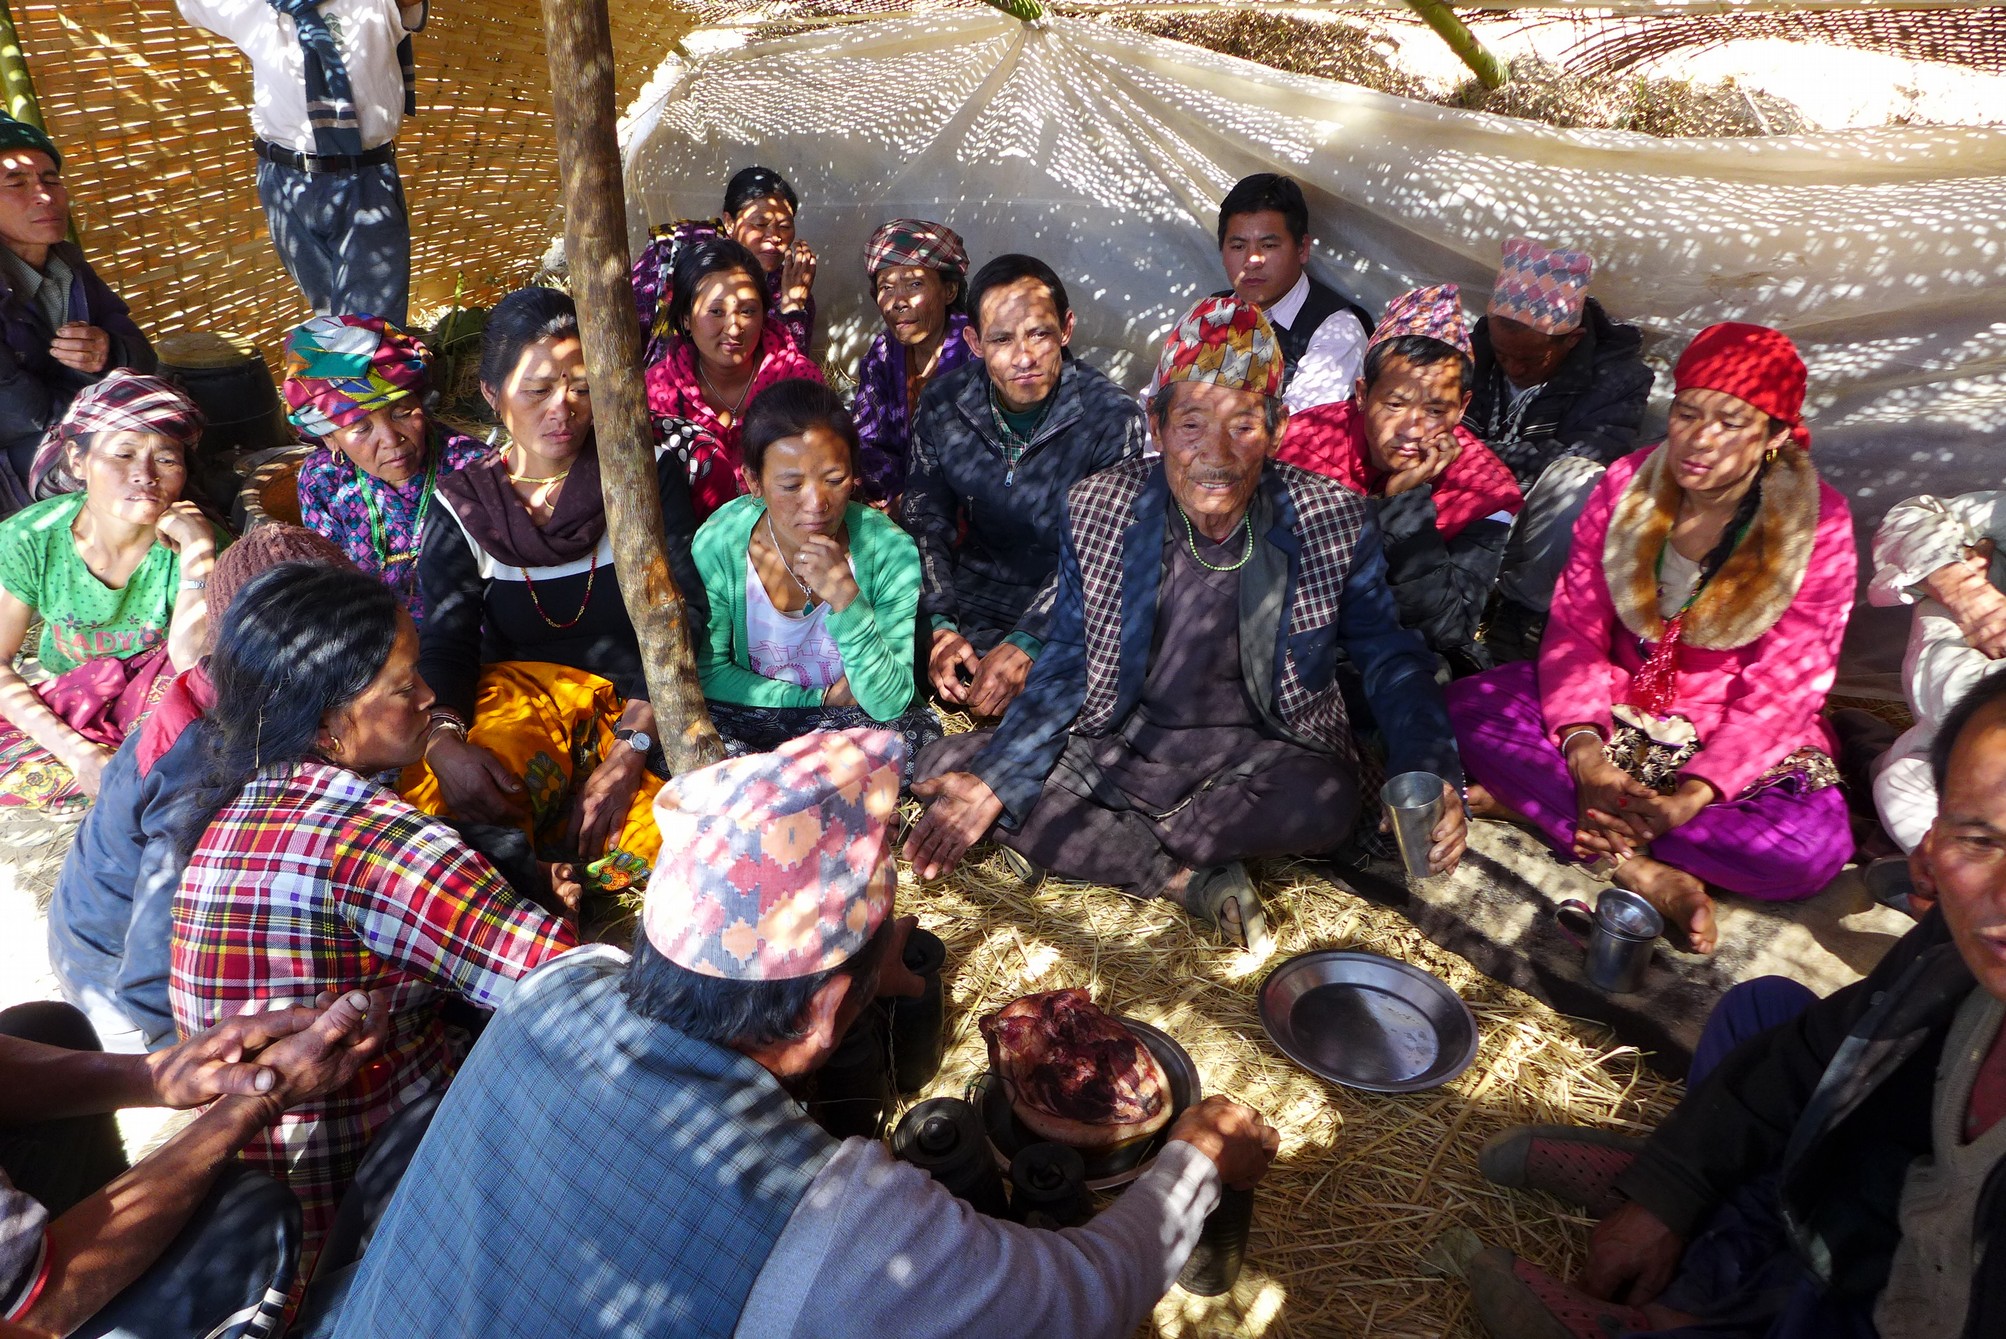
884	424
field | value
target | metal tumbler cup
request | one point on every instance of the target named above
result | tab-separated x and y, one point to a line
1415	801
1622	934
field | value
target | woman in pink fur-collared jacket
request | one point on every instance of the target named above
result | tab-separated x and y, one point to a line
1671	724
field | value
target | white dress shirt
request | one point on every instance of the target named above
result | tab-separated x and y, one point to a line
367	31
1329	367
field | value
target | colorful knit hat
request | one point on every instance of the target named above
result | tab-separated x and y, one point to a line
20	135
777	865
1752	363
1435	311
1541	288
120	401
1225	342
341	368
933	246
266	546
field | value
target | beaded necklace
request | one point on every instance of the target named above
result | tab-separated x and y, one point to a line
378	544
1191	540
584	604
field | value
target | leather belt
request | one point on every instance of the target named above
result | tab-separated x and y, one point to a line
323	163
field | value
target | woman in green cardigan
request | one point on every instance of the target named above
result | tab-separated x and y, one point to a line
812	597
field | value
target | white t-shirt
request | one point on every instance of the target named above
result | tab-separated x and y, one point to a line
795	648
367	31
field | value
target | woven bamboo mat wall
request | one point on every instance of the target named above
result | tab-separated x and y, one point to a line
152	116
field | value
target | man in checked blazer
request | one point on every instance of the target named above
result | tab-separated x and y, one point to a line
1187	712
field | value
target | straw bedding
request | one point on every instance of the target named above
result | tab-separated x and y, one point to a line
1366	1186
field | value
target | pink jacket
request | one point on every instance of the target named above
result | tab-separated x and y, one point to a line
1761	647
673	392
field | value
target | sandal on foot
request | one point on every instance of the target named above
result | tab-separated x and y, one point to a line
1517	1300
1212	890
1575	1163
1027	877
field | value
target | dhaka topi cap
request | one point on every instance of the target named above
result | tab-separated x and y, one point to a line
777	865
340	369
932	246
1224	342
1435	312
120	401
1542	288
1752	363
20	135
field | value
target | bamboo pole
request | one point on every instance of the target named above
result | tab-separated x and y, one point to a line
15	82
580	42
1441	16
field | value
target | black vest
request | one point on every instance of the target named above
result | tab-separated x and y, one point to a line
1322	303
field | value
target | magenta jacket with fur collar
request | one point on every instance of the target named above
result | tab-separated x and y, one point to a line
1761	644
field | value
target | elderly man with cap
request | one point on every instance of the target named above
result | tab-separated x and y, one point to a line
1670	729
61	327
356	387
919	274
112	914
1559	395
1443	501
1188	712
622	1154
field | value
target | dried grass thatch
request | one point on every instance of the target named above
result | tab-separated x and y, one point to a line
1347	50
1670	108
1365	1185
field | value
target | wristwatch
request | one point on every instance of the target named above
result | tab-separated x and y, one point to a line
638	740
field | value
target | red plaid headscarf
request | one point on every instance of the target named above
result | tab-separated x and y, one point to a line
932	246
1752	363
121	401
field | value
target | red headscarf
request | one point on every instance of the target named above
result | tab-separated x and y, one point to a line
1752	363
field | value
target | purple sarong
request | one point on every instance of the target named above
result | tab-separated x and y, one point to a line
1778	842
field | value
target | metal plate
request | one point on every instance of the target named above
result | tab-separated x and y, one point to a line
1367	1021
1113	1167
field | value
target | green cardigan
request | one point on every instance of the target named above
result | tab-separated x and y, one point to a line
875	634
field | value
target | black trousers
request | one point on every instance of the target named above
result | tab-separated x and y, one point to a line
226	1274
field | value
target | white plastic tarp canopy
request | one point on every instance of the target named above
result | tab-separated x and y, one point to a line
1106	152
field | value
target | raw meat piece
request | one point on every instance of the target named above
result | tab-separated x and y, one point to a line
1074	1074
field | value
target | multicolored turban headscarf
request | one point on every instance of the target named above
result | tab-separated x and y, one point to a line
777	865
120	401
932	246
1225	342
339	369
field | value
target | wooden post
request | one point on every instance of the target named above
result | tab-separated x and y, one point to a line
15	84
580	42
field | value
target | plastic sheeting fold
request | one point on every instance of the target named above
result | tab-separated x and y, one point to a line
1882	252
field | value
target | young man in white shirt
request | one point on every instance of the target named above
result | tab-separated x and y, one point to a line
331	87
1264	243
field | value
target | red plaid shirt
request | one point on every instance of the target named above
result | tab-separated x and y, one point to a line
320	880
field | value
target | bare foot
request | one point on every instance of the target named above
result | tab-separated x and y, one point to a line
1679	897
1483	804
